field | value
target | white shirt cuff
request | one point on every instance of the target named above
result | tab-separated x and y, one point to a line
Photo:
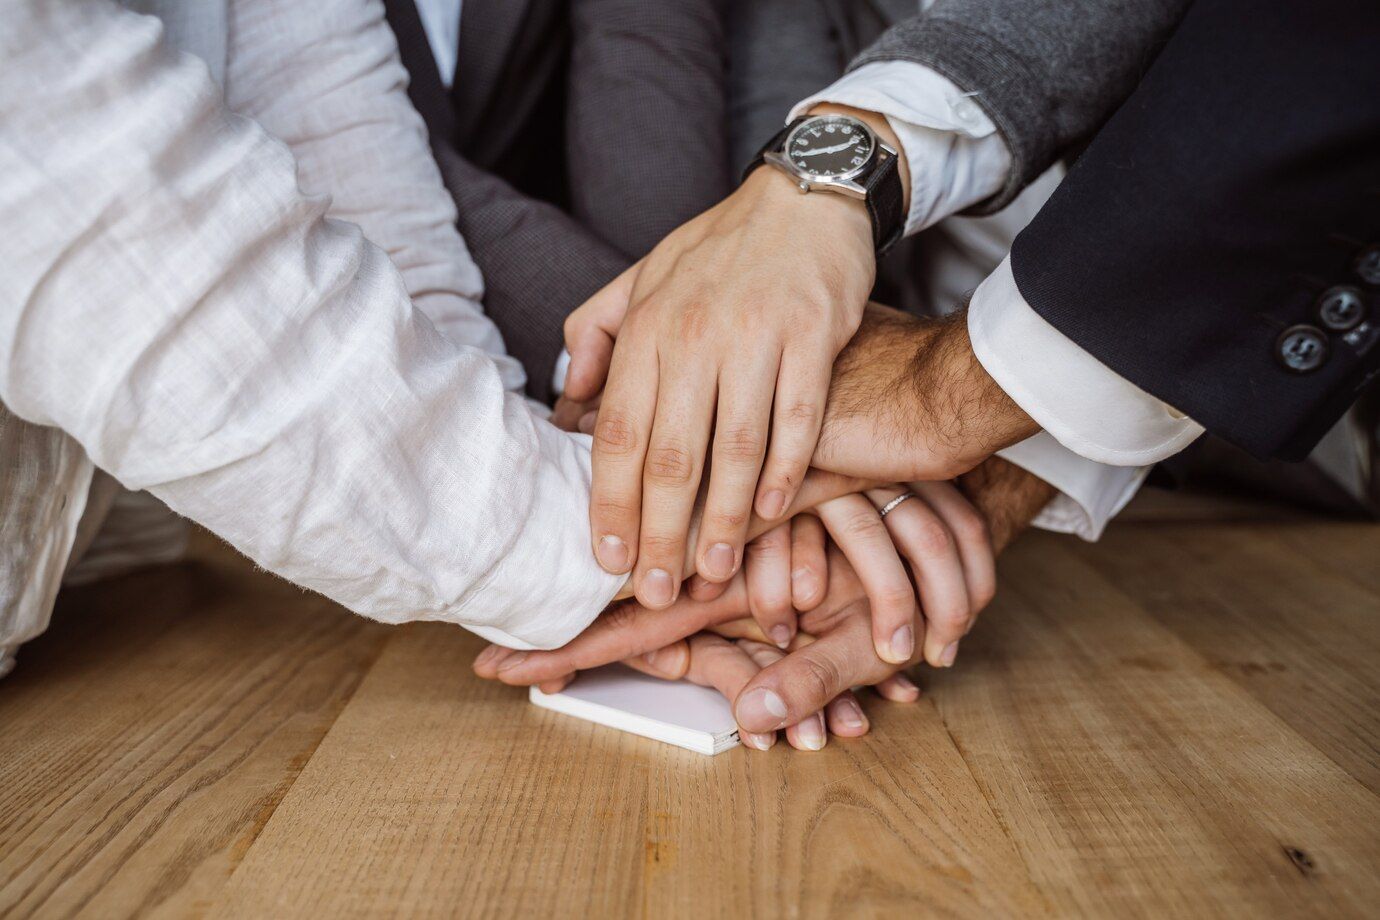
956	157
1090	494
1085	405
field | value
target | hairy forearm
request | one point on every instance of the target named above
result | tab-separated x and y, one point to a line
909	401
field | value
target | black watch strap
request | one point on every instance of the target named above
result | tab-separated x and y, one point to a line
885	200
885	203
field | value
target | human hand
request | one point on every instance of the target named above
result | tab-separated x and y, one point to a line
668	644
1008	497
926	529
928	569
568	413
743	308
785	570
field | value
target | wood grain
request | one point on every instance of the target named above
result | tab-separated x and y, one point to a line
146	738
1182	720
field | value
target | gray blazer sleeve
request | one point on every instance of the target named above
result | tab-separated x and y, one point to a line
538	263
1047	72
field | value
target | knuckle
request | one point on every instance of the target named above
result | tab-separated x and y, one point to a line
932	538
722	521
670	464
658	546
972	527
896	597
694	321
860	525
955	623
805	415
612	508
739	443
614	434
820	678
761	550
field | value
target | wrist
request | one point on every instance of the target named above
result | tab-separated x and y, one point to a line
837	218
1007	496
881	126
959	402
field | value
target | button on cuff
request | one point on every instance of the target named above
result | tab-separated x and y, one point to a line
1302	349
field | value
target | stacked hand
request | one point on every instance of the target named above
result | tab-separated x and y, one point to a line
724	375
834	651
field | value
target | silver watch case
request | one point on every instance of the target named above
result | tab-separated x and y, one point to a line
842	184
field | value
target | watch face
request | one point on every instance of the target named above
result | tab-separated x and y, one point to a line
830	147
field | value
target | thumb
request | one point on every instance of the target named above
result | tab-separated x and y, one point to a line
590	333
807	679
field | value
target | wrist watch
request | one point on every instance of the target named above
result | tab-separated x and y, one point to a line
841	154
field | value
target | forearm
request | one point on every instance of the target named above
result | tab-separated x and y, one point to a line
325	79
1047	72
909	401
180	308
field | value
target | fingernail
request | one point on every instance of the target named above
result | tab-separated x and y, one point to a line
662	661
512	662
781	635
754	740
905	683
657	588
773	504
849	715
486	656
586	423
804	583
901	646
761	707
946	657
811	732
718	561
613	554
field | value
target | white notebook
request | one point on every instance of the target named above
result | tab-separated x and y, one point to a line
676	712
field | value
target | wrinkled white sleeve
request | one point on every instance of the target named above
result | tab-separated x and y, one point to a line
1085	405
326	79
954	154
170	298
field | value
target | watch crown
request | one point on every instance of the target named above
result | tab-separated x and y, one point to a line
803	186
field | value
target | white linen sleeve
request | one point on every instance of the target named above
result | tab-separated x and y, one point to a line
1081	402
955	156
171	299
326	79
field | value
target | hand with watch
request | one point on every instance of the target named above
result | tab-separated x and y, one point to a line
730	328
839	153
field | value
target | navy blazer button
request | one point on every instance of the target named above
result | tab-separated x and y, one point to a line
1341	308
1368	265
1302	349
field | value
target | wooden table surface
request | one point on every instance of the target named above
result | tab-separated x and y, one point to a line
1183	720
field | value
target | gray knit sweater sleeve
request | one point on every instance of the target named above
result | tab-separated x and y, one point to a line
1047	72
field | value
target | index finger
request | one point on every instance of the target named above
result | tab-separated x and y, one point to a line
622	430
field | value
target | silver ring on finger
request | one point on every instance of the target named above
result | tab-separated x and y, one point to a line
891	505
